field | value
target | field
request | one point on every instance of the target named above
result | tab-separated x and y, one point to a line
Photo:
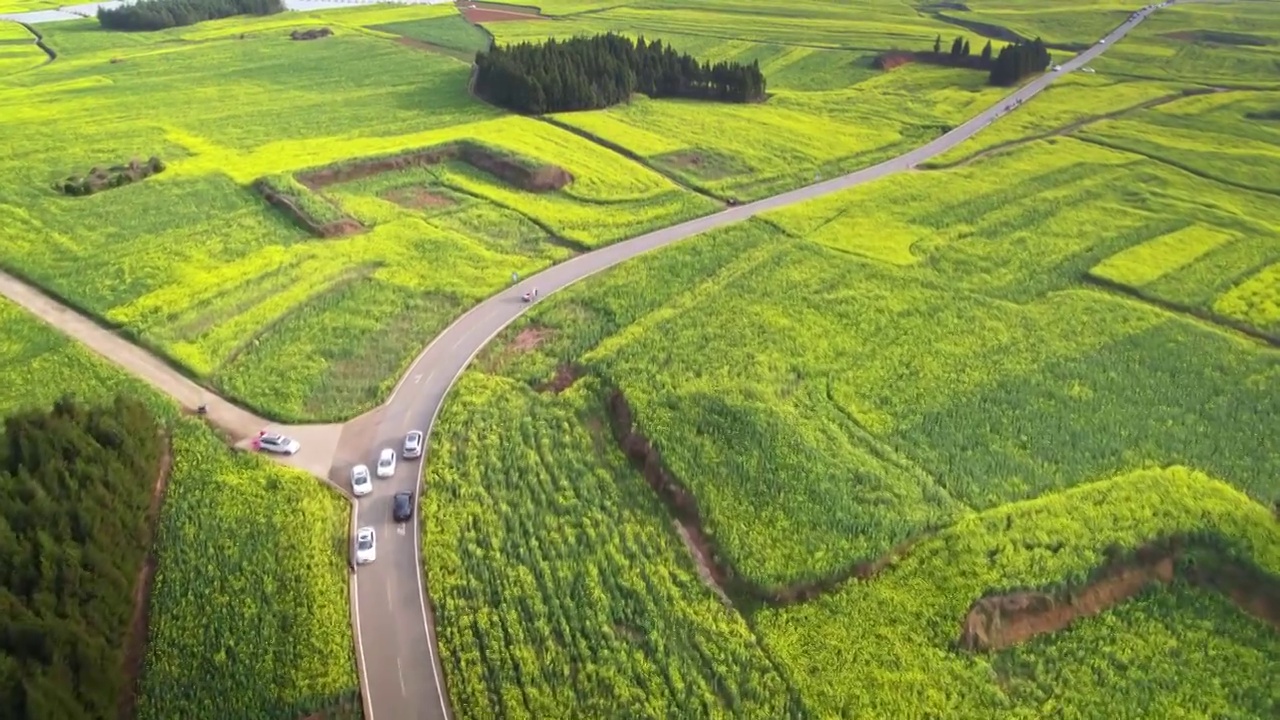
272	634
253	579
872	417
18	51
231	289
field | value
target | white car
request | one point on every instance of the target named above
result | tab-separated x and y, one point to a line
276	443
413	444
1103	41
366	546
387	463
361	483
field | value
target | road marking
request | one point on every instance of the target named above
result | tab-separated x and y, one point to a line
417	378
400	672
355	602
400	530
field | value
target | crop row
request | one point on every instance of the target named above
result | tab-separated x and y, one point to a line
249	613
559	589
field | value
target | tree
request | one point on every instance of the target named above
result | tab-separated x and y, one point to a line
937	45
589	73
957	46
965	50
986	52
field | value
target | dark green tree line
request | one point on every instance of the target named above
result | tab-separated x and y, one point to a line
1019	60
591	73
75	486
161	14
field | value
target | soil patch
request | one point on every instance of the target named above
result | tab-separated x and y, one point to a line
482	12
522	174
1001	621
529	338
701	164
313	34
135	647
566	375
418	198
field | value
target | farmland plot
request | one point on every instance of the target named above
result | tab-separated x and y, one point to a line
231	289
893	654
246	550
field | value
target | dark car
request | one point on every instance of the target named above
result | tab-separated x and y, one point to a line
402	506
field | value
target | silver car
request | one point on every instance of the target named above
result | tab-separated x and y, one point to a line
413	444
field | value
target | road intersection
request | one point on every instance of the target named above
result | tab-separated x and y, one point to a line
400	670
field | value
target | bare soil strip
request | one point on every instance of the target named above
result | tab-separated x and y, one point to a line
135	647
1000	621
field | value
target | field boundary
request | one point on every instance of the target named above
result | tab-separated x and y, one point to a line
135	645
630	155
998	621
1178	165
40	43
1219	322
1071	127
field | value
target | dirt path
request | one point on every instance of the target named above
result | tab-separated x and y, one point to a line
135	648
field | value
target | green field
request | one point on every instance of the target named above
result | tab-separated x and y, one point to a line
1053	348
252	573
930	366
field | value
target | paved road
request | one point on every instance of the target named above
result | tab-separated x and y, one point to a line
394	628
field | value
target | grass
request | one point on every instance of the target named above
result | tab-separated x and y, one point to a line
18	51
449	31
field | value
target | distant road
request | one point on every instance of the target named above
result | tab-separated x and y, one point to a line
400	669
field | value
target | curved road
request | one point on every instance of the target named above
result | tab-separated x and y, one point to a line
395	626
400	670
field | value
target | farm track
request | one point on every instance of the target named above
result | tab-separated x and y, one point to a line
387	606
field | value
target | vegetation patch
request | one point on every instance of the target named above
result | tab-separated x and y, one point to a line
520	172
150	15
76	482
319	215
1219	37
702	164
591	73
418	198
100	178
452	32
482	13
1009	66
236	525
312	34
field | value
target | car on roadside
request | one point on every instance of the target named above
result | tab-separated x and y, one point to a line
402	506
387	463
276	443
413	444
366	546
361	482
